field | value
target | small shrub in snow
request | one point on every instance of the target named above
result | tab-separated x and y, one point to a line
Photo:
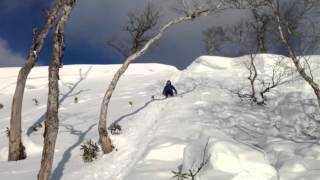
7	132
115	129
90	151
179	175
36	102
76	100
36	127
23	154
39	125
192	173
1	106
131	104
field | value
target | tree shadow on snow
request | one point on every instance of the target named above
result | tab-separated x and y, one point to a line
58	171
68	94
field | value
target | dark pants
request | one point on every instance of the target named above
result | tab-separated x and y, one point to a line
168	93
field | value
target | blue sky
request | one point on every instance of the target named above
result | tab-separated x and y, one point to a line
93	22
17	22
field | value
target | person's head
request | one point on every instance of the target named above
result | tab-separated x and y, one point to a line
168	82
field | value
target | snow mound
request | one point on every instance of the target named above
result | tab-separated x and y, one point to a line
210	63
172	152
293	166
236	160
313	152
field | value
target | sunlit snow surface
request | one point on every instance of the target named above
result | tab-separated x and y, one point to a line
240	141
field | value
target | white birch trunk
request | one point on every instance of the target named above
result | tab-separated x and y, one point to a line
15	141
52	120
295	59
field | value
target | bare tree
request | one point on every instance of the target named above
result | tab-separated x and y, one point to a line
260	27
261	84
139	27
242	92
290	19
250	34
240	36
214	37
280	73
253	74
307	8
16	148
190	13
246	34
52	120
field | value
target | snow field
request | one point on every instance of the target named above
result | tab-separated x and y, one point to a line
205	121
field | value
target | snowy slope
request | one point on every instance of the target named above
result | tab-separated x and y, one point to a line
205	121
77	121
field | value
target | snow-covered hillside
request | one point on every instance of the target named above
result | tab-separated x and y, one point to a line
204	123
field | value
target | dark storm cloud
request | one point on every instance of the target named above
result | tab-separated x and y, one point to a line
8	57
94	22
8	6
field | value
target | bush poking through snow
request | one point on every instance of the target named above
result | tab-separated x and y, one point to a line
76	100
39	125
7	132
179	175
90	151
131	105
191	174
22	149
36	127
36	102
1	106
23	154
115	129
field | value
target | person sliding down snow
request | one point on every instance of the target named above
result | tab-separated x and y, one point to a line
168	89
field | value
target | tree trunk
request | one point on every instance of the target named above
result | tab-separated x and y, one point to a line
105	140
295	59
261	42
51	123
253	77
52	120
261	23
16	147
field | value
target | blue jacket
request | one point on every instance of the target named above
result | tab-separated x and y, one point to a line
168	89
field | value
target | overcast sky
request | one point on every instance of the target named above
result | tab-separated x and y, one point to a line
93	22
